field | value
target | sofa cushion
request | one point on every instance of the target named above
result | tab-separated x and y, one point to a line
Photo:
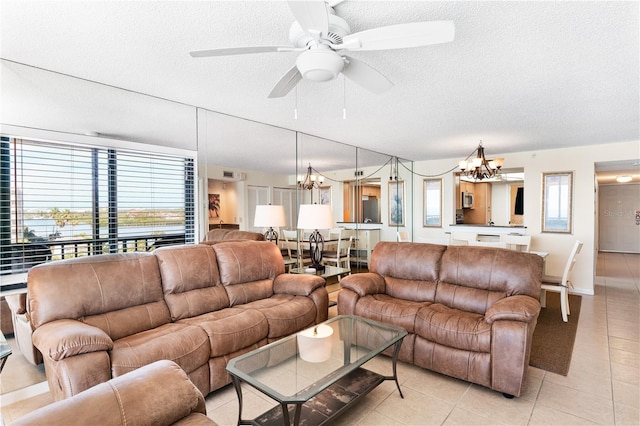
248	268
102	290
390	310
186	345
414	267
191	280
231	329
285	313
454	328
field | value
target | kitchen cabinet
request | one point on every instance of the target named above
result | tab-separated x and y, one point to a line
481	212
371	191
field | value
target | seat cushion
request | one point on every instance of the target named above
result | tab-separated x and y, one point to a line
231	329
454	328
186	345
387	309
285	313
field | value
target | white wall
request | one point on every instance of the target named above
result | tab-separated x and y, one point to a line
581	161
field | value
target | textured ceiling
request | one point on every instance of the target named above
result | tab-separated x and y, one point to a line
519	75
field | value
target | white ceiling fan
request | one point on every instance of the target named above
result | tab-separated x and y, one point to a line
322	37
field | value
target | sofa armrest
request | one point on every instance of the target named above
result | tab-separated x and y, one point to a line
158	393
514	308
65	338
17	303
364	284
297	284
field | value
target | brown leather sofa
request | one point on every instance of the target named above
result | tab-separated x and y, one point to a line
222	234
199	305
156	394
470	311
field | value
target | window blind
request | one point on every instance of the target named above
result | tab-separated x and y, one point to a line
61	201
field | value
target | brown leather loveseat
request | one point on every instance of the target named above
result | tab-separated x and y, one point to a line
470	311
102	316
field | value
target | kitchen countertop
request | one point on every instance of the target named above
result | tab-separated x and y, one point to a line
488	226
488	230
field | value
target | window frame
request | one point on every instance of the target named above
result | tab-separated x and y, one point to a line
425	183
564	200
16	272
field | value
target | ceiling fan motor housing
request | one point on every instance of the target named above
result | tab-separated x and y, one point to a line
319	64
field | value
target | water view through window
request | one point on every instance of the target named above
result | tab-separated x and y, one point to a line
76	201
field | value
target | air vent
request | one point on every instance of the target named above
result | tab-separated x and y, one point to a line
236	176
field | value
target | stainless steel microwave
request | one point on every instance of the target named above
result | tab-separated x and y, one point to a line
467	200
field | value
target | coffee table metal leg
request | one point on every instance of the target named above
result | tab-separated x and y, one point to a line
236	385
396	350
296	416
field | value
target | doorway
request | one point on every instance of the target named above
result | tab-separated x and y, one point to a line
618	206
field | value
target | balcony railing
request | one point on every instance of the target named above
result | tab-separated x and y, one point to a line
19	258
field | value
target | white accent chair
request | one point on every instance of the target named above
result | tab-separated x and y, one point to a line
561	284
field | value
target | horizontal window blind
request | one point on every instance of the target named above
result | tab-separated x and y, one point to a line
61	201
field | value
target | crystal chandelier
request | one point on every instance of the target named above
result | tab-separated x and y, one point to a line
480	168
310	181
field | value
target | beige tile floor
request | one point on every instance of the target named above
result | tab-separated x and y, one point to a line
602	386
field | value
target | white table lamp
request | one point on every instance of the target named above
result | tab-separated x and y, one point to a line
315	216
269	216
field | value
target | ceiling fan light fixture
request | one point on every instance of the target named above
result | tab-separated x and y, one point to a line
320	64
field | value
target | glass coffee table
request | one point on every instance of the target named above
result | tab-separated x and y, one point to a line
328	272
316	377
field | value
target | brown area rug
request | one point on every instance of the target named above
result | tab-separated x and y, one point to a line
553	338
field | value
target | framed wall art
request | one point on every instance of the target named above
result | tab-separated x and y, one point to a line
325	195
396	203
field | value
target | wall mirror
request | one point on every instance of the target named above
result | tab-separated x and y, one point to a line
432	203
498	200
557	193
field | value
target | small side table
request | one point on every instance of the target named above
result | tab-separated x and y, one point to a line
5	351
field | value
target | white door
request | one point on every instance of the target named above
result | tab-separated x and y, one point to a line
256	196
619	217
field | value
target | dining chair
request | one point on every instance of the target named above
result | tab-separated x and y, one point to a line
517	242
404	237
294	252
462	238
341	257
561	284
498	244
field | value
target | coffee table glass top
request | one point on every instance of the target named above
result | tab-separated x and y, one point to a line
329	271
279	370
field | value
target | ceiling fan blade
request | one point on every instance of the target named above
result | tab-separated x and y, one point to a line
225	51
287	82
312	16
401	36
365	76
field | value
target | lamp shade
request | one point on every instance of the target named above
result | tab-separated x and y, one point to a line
269	216
315	216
